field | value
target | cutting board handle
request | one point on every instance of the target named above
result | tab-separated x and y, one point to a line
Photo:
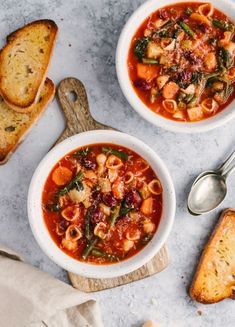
73	100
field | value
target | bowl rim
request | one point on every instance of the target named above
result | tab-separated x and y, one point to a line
123	45
41	232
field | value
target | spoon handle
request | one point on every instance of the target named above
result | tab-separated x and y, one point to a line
229	171
224	168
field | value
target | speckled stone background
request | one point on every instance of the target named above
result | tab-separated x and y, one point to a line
85	48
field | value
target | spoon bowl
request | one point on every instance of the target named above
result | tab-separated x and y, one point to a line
209	188
207	193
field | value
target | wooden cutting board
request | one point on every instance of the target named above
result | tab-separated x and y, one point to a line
72	97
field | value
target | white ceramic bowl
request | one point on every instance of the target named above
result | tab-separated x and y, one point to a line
40	230
226	6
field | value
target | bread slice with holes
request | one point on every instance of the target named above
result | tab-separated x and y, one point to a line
24	63
14	125
214	280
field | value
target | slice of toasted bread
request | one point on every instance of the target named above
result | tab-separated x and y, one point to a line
214	280
24	63
14	125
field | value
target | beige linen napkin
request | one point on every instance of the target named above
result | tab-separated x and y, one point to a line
30	297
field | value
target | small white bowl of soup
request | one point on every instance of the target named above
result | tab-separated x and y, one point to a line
101	209
175	63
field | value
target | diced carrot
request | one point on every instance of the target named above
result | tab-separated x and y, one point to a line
147	72
118	189
170	90
147	206
210	61
195	113
61	175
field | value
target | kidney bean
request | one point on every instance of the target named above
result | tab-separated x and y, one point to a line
88	163
97	216
163	14
142	84
109	199
133	199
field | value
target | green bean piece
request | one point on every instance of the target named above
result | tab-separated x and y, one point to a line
150	61
225	26
121	154
87	220
186	28
211	75
114	216
53	207
100	254
193	102
89	247
75	183
180	97
189	98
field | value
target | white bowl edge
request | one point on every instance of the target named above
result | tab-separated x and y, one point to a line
129	29
39	228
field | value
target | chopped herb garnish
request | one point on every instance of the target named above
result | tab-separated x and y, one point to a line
188	11
196	77
75	183
186	28
225	58
54	207
140	47
146	239
121	154
212	41
82	153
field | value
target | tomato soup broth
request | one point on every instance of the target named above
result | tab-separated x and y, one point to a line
102	203
181	61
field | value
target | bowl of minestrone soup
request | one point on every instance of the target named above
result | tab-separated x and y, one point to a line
175	63
101	204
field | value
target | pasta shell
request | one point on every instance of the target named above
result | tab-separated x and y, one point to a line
100	230
71	213
170	105
155	187
209	105
206	9
113	162
73	233
129	176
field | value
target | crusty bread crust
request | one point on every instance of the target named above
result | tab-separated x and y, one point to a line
25	121
11	98
214	279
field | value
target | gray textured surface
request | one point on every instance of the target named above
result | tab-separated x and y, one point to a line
86	46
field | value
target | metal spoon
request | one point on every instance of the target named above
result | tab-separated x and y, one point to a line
209	188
